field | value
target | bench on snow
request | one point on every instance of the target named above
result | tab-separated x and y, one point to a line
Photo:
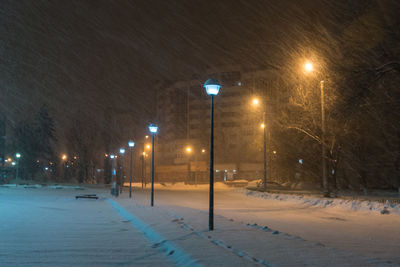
92	196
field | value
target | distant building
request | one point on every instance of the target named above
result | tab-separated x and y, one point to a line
183	112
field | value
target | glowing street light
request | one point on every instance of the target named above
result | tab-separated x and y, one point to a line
212	87
308	67
64	157
131	144
255	101
262	125
153	130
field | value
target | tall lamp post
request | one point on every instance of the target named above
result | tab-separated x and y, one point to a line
143	158
265	152
189	152
114	190
153	130
212	87
64	159
17	156
121	181
131	144
263	125
308	67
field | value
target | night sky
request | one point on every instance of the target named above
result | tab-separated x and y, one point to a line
88	58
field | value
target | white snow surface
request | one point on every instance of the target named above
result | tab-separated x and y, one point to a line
355	205
49	227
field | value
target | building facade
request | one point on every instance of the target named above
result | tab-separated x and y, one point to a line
183	112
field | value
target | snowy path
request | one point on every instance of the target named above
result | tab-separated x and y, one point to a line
47	227
370	235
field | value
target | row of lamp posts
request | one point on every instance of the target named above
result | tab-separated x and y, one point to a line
114	190
212	87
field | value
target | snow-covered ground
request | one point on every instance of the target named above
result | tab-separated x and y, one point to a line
48	226
338	203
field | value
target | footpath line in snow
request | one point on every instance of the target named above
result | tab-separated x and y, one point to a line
220	243
178	256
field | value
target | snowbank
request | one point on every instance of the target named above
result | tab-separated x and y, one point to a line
43	185
22	185
356	205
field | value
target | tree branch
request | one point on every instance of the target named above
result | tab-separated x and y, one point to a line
316	138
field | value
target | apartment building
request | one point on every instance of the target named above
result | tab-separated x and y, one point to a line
183	112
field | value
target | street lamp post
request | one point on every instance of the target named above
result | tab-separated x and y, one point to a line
121	169
212	87
64	160
189	152
153	130
17	156
263	125
131	144
144	169
114	190
324	174
265	153
308	67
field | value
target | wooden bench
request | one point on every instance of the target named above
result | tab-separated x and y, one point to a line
91	196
